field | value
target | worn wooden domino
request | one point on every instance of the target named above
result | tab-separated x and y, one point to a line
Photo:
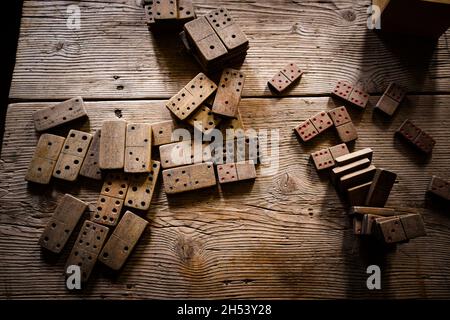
381	187
439	187
141	188
362	210
408	130
338	172
354	156
351	94
227	173
188	99
367	223
204	120
339	150
357	178
208	44
112	144
110	202
306	130
87	247
391	99
422	140
285	77
186	10
138	148
90	167
189	178
240	149
321	121
59	114
72	155
340	116
229	93
40	169
413	225
123	240
357	195
61	224
323	159
344	125
162	132
228	31
390	229
165	10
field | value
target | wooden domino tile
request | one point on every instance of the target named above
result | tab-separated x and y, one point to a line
142	187
227	173
40	169
229	33
351	94
354	156
110	202
339	150
204	120
72	155
306	130
148	11
138	148
162	132
246	170
165	10
391	229
361	210
240	149
381	187
122	241
413	225
59	114
112	144
188	99
61	224
357	178
183	153
189	178
409	130
90	167
357	195
285	77
391	99
439	187
87	247
323	159
357	225
347	132
321	121
424	142
339	116
186	10
228	93
338	172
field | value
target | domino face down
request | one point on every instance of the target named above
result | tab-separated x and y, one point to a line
112	144
40	169
61	224
59	114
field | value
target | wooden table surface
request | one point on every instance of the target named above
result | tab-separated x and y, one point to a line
287	234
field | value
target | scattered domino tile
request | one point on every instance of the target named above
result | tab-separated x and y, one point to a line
339	116
227	172
110	202
338	150
189	178
413	225
246	170
381	187
347	132
168	13
391	99
321	121
90	167
416	136
409	130
84	253
40	169
183	153
138	148
72	155
286	77
162	132
122	241
188	99
141	188
306	130
351	94
61	224
391	229
439	187
59	114
424	142
228	93
204	120
323	159
112	144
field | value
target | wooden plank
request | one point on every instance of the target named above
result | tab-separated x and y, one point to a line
286	236
125	60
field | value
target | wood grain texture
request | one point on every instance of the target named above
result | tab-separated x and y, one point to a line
114	56
284	236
